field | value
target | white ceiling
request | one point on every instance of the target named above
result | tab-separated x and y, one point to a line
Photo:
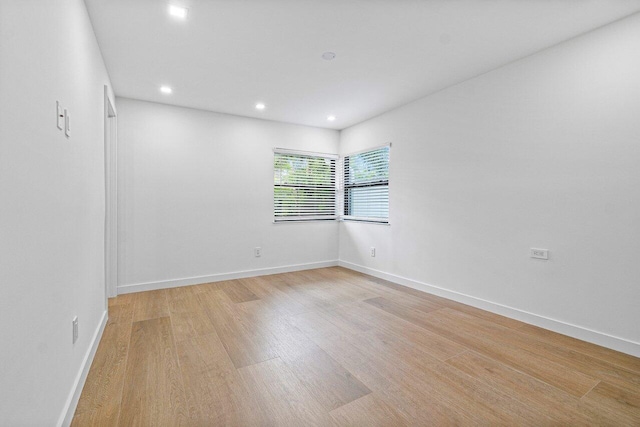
229	54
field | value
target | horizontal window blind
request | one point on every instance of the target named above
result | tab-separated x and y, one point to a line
304	186
366	185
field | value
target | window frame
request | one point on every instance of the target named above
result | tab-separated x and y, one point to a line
306	154
381	183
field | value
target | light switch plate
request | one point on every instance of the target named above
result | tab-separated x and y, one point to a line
67	125
59	115
74	323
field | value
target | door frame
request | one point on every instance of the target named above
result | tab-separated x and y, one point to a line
111	196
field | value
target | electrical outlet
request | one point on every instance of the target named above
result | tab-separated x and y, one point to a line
257	251
373	252
539	253
75	329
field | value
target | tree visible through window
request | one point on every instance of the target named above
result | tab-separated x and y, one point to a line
366	186
304	186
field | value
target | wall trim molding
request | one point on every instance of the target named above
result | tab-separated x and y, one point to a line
575	331
72	401
174	283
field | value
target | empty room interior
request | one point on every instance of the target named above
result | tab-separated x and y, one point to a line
330	213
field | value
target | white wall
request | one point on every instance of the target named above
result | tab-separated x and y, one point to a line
196	196
544	152
52	211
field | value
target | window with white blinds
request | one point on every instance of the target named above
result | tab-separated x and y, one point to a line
304	186
366	186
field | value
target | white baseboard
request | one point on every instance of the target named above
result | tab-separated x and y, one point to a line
579	332
72	401
174	283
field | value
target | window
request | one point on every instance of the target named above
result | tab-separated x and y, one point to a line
366	186
304	186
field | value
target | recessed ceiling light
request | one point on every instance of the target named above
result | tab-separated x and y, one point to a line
328	56
331	118
165	89
178	11
260	106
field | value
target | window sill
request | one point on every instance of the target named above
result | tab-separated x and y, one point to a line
364	221
304	221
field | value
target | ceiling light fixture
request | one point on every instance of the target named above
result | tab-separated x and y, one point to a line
331	118
166	89
328	56
260	106
178	11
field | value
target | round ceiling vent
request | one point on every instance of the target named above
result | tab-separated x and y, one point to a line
328	56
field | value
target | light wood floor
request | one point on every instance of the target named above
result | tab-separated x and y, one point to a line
334	347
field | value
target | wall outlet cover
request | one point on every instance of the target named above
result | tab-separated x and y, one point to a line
539	253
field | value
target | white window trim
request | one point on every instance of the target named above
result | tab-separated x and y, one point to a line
305	153
362	220
338	171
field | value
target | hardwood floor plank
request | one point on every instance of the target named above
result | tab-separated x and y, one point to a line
277	301
188	318
268	337
122	299
150	305
154	391
614	401
392	288
180	292
562	407
576	361
409	300
413	303
485	315
309	300
216	395
434	299
398	328
345	318
396	308
368	411
435	345
103	416
204	353
622	360
327	381
259	308
491	405
318	293
344	284
398	383
204	287
282	397
237	291
120	313
103	387
552	373
244	340
322	325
